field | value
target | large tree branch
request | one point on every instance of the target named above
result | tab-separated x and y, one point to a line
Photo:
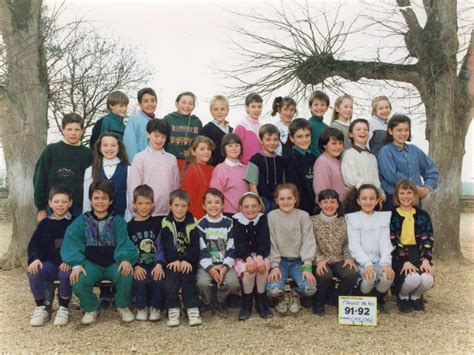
465	87
316	69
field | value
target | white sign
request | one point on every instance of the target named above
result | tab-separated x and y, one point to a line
357	310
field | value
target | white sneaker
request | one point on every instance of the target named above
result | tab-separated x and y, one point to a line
294	303
40	316
282	306
194	317
62	316
155	314
89	317
142	314
173	317
126	314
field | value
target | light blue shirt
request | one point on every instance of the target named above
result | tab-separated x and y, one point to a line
134	138
409	162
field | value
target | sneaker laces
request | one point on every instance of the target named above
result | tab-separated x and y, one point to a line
38	310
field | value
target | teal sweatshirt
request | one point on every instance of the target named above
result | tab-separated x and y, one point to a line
61	164
101	241
183	130
317	126
113	123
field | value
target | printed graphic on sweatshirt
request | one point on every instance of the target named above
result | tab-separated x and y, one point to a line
145	242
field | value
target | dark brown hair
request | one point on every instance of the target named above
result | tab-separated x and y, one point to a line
98	156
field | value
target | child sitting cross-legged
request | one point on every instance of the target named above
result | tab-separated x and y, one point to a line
98	248
144	231
180	238
217	253
44	261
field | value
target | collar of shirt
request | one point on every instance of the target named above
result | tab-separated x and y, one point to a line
404	148
110	162
223	126
74	145
152	151
244	220
360	149
325	218
214	220
232	163
381	121
66	216
344	123
301	151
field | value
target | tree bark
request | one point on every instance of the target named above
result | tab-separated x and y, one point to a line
23	116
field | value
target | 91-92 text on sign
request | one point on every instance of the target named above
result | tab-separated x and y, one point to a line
357	310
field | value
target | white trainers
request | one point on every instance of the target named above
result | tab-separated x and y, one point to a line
282	306
173	317
89	317
294	303
194	317
62	316
155	314
126	314
142	314
40	316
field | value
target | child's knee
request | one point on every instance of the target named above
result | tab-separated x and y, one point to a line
413	280
427	280
307	290
275	290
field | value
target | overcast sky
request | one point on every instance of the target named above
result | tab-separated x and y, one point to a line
184	41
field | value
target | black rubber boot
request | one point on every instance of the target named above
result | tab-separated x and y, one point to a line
262	306
246	306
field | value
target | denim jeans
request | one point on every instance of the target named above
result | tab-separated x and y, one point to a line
290	267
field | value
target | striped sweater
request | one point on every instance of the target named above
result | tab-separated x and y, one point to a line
216	242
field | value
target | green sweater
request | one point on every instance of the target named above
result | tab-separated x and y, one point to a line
101	241
113	123
61	164
183	130
317	126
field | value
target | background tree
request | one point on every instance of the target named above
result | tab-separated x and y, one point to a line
310	53
23	110
84	67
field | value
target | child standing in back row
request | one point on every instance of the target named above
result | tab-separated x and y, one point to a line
265	170
110	163
318	105
62	163
286	109
197	173
300	162
399	160
341	117
184	126
381	109
218	127
152	162
228	177
248	129
134	137
117	104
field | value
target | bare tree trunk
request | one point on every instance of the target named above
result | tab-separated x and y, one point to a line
23	112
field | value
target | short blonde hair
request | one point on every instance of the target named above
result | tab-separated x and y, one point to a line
220	98
255	197
378	99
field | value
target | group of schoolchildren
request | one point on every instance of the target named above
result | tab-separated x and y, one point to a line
214	211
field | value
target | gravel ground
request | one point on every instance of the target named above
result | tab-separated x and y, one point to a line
445	327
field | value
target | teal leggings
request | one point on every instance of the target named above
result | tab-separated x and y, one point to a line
95	273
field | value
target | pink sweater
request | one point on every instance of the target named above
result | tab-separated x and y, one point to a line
328	175
250	141
159	171
230	181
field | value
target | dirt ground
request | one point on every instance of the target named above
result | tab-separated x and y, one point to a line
447	326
